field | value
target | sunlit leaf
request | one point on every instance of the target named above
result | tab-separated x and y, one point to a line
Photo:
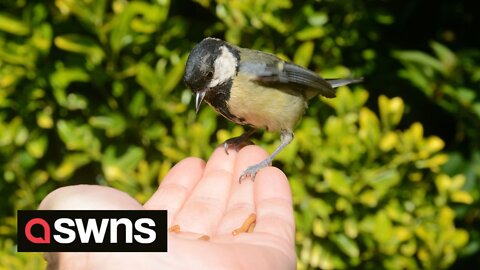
347	245
80	44
12	25
303	55
113	124
338	182
421	58
448	58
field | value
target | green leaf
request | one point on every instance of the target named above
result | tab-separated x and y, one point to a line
476	108
310	33
36	147
446	56
121	168
174	76
78	137
80	44
69	165
137	106
384	179
384	18
61	79
320	207
274	22
9	76
421	59
418	78
90	13
350	227
434	144
136	17
113	124
465	96
369	198
18	54
151	16
304	53
461	196
347	245
317	19
131	158
391	111
338	182
384	225
147	78
12	25
42	37
319	228
388	141
369	130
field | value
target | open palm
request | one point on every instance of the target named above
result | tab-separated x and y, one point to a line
206	203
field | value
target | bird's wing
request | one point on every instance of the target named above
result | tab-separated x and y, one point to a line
269	69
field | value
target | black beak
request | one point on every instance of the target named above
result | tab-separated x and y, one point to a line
199	99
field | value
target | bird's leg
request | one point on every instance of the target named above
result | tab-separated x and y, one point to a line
285	138
240	141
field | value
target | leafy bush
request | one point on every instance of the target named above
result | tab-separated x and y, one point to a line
90	92
372	196
450	79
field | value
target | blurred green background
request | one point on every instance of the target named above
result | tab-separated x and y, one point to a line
385	176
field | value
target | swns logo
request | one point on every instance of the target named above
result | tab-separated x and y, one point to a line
92	231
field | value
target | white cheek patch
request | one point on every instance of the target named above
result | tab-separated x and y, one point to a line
225	67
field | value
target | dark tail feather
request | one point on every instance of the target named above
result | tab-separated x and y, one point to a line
341	82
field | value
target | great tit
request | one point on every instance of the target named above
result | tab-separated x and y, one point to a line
254	88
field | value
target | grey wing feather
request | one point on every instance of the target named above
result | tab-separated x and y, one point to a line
298	75
269	69
341	82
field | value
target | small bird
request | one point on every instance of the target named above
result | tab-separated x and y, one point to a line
255	89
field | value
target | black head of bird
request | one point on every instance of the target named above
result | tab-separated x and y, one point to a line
254	88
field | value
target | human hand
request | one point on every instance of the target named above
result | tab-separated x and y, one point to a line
208	204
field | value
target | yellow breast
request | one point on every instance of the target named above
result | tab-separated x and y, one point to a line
265	107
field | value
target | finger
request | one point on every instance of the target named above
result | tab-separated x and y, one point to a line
86	197
206	206
273	200
176	187
241	203
220	161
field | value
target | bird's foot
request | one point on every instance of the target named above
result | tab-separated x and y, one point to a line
247	226
252	171
237	143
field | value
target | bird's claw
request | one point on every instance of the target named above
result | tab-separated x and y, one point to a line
246	174
237	143
252	171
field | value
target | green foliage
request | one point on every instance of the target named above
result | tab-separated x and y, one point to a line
91	92
372	196
12	260
451	80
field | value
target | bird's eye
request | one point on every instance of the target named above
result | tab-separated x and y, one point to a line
209	76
